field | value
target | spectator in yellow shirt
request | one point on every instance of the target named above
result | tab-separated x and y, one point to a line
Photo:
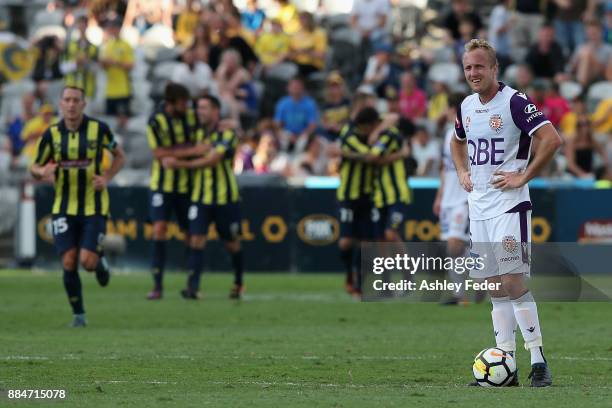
33	130
288	15
308	46
117	59
272	47
186	23
602	117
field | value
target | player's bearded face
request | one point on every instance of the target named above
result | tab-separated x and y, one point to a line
480	72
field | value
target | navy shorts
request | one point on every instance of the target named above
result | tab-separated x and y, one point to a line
85	232
118	106
390	217
356	219
226	218
162	205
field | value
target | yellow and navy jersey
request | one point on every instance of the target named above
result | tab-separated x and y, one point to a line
81	77
217	184
78	155
390	180
165	131
355	175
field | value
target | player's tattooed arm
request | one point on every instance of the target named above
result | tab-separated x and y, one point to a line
549	143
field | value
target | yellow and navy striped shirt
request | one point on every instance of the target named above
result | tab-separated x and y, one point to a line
79	157
217	184
84	77
355	176
390	180
164	131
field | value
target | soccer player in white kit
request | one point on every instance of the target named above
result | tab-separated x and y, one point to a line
493	134
451	202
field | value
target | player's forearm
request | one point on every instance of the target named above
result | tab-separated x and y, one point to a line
353	156
36	171
389	158
459	155
546	150
116	165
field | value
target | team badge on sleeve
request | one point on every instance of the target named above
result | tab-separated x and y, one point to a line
496	123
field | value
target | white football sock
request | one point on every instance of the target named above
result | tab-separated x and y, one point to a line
504	323
526	313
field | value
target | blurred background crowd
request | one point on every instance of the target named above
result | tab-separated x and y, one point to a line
289	73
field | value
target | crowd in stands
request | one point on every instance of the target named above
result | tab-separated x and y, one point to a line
291	78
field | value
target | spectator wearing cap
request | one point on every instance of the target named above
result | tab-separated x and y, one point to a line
592	61
253	17
117	59
336	110
272	46
194	74
378	69
308	46
79	60
460	10
412	100
545	58
296	114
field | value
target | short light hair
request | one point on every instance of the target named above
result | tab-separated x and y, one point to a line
475	44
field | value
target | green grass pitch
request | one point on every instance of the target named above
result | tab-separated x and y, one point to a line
293	341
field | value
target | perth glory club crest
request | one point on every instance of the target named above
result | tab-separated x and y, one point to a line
495	122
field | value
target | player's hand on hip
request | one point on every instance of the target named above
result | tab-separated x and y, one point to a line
466	181
99	182
506	180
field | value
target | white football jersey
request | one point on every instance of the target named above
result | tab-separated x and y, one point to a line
452	194
499	138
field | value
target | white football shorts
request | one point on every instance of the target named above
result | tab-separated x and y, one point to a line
504	244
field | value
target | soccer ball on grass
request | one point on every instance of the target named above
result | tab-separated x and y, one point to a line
493	367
